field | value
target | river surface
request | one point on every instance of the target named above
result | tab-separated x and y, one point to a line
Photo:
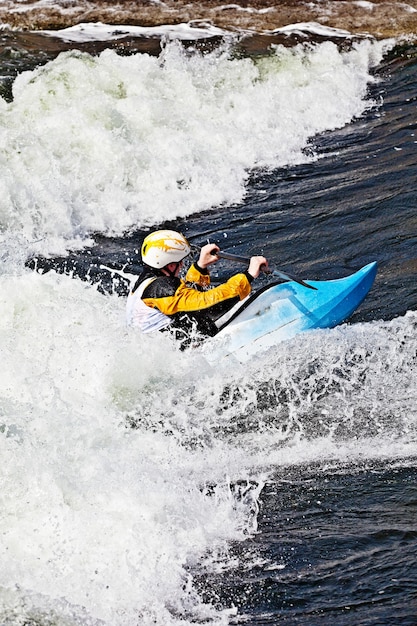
140	485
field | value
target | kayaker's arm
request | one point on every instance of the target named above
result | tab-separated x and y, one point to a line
186	299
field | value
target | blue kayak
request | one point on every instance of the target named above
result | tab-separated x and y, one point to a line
281	311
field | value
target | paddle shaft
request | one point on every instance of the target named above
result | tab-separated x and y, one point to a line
274	272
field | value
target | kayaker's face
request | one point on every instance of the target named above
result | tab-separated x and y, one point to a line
173	269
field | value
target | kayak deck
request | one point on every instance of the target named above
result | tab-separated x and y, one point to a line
282	311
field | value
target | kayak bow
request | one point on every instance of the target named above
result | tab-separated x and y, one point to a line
284	310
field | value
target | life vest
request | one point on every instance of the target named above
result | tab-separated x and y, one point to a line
142	316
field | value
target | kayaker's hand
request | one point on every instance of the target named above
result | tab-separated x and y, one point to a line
208	255
257	265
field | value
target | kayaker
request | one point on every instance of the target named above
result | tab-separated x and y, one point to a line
161	300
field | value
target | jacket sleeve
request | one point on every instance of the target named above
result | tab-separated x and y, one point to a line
198	276
187	299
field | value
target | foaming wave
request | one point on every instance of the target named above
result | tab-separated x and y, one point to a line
111	143
128	465
348	392
101	523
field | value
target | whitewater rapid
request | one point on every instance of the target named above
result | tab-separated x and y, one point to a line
106	144
128	468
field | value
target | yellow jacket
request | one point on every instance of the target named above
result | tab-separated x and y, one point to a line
174	295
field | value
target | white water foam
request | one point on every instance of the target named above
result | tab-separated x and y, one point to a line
94	512
98	31
106	144
126	465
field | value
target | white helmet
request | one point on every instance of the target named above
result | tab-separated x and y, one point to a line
163	247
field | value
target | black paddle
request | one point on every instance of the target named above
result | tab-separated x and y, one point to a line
274	272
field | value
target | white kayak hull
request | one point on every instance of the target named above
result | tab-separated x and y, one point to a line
282	311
